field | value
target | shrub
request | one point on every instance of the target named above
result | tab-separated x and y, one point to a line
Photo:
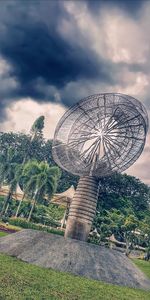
5	219
29	225
45	220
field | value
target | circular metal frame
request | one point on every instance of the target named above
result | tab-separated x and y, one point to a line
101	134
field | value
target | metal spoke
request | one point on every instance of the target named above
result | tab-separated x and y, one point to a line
125	121
101	130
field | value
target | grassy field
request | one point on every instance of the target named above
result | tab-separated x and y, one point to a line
2	233
143	265
21	281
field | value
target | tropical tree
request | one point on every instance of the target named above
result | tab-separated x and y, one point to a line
39	180
9	168
129	228
18	141
39	149
36	134
145	235
2	169
123	227
121	192
37	127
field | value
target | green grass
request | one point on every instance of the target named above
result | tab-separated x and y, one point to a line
143	265
22	281
9	226
2	233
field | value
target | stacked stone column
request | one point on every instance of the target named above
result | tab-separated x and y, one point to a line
82	209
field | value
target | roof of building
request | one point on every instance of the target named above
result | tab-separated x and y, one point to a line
64	197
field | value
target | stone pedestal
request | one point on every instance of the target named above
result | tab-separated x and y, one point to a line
82	209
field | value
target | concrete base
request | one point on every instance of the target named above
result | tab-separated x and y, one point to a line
82	209
67	255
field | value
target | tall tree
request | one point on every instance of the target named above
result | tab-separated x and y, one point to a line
122	191
40	180
121	226
9	167
37	127
36	135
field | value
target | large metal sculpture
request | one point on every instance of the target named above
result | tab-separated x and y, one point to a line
99	135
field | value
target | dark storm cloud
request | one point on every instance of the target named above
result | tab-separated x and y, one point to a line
35	52
130	6
31	43
42	60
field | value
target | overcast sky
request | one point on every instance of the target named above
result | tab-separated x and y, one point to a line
54	53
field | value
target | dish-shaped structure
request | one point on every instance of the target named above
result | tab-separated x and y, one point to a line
99	135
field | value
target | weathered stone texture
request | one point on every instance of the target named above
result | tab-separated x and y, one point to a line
68	255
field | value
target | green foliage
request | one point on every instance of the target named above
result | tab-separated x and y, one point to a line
27	281
49	215
67	179
3	233
120	196
40	178
38	126
124	192
9	170
122	207
36	149
144	237
143	265
19	142
29	225
38	181
126	228
1	202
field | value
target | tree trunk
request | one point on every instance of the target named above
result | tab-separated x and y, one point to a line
8	197
26	155
33	205
18	208
82	209
6	209
64	218
30	214
127	247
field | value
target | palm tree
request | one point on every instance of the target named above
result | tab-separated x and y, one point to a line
8	199
9	167
2	169
19	178
28	170
36	132
39	180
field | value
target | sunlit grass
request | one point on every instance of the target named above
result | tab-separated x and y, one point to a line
2	233
22	281
143	265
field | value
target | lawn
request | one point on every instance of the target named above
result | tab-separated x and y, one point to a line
2	233
143	265
21	281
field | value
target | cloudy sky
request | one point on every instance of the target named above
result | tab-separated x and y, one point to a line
54	53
